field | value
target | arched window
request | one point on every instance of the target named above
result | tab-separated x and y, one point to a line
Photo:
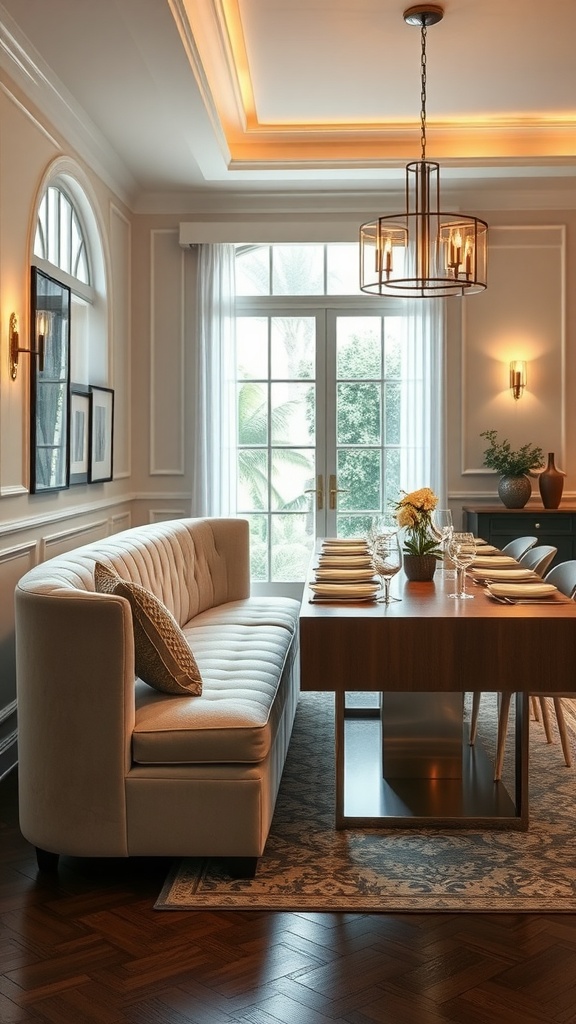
60	236
67	246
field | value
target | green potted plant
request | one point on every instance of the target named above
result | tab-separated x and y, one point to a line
514	487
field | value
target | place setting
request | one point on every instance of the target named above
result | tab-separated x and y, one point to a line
527	592
506	581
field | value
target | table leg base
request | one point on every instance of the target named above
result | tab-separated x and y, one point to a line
364	799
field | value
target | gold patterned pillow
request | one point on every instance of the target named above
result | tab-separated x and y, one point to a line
163	657
105	578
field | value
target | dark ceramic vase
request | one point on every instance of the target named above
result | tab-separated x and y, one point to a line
514	491
419	568
551	484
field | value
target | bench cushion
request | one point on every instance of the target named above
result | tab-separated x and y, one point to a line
242	649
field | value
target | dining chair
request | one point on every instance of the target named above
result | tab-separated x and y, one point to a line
562	576
539	558
518	547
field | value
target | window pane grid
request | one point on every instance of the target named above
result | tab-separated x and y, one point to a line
59	237
276	443
277	353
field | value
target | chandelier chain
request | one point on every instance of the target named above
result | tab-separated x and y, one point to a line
423	91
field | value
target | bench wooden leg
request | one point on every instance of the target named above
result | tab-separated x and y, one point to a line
46	861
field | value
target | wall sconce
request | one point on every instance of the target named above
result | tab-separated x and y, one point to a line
517	377
42	329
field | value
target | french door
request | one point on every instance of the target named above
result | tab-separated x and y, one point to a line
319	422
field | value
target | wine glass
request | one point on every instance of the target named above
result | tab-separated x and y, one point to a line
462	551
380	524
386	555
442	525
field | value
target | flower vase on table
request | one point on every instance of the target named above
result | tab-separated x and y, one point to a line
420	568
421	550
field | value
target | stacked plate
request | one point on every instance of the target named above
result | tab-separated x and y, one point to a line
344	572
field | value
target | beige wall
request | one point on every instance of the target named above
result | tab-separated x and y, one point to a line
528	311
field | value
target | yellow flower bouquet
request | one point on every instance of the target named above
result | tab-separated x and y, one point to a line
414	514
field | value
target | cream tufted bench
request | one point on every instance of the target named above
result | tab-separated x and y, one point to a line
111	767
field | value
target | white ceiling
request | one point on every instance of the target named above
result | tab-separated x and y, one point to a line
300	95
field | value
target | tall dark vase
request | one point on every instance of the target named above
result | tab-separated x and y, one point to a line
551	484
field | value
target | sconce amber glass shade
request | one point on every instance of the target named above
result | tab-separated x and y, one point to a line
517	377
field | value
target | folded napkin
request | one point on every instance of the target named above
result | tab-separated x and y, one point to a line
345	591
493	561
504	575
345	575
479	540
522	589
487	549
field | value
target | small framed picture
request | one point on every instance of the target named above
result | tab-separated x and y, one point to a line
101	434
80	400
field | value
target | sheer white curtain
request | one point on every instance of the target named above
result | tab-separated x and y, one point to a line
214	476
423	431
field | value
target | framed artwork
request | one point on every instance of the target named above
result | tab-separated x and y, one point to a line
80	401
49	383
101	434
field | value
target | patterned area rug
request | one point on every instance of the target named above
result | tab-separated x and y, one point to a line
308	866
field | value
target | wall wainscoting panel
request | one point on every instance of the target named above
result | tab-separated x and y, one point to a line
120	522
161	515
120	256
520	316
57	543
15	560
167	364
8	738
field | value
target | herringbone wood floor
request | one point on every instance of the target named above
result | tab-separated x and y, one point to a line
85	947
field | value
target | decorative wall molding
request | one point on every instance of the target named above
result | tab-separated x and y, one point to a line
167	345
121	522
42	520
39	84
57	543
8	710
120	334
525	318
19	551
161	515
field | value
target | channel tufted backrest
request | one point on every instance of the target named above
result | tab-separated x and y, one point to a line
190	564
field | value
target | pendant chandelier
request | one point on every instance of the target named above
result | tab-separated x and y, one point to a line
422	252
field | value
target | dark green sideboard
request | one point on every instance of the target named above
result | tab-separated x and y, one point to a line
498	525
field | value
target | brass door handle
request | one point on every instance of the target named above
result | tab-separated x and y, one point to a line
335	490
319	492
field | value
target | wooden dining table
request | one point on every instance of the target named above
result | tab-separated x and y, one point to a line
412	662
